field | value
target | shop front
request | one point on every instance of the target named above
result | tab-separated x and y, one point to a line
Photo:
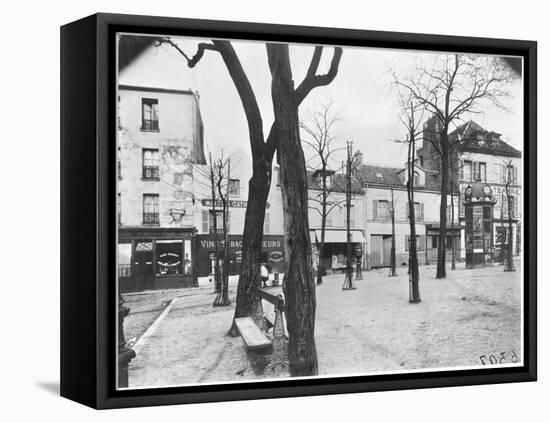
272	253
335	249
452	234
153	259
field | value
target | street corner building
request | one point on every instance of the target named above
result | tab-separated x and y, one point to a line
166	233
484	165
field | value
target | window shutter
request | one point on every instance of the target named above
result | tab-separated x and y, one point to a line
205	217
408	209
266	223
461	170
423	242
374	209
407	242
421	212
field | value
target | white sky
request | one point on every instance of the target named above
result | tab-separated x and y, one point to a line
361	94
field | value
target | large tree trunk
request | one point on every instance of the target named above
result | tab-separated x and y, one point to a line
299	284
414	290
441	247
509	245
453	243
392	250
249	276
321	265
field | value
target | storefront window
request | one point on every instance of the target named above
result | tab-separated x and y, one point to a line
168	258
124	260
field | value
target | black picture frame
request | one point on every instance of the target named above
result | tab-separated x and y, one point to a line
88	210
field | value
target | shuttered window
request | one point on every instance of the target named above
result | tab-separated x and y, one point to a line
205	221
266	223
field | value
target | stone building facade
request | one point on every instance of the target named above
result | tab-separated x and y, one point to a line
160	138
482	156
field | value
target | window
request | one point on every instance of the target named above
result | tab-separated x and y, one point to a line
509	174
149	114
418	212
382	209
467	170
150	164
219	221
500	235
151	209
328	221
266	223
234	187
351	216
124	260
119	207
119	166
480	171
168	258
480	137
416	179
513	203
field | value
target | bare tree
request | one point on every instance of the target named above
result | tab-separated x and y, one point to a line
509	180
215	180
454	85
299	286
348	281
411	115
318	137
223	174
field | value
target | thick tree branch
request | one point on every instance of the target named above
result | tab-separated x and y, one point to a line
312	80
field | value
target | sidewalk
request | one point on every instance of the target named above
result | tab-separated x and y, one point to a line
371	329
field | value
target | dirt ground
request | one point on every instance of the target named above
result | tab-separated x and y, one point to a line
469	318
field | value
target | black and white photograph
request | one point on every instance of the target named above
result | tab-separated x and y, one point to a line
298	211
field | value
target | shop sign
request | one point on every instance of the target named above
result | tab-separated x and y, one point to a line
236	204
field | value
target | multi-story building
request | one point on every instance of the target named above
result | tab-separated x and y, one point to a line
386	189
482	156
335	247
240	166
160	138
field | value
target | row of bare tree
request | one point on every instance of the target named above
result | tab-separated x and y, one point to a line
452	87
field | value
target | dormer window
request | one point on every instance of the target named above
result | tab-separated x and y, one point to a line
480	137
318	177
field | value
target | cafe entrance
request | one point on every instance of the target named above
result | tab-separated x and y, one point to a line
156	259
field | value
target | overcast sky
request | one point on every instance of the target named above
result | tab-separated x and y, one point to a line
361	93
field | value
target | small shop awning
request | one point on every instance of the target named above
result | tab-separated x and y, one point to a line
337	236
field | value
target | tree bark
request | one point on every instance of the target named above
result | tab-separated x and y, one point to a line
453	246
299	284
414	290
249	276
509	245
441	247
321	265
392	250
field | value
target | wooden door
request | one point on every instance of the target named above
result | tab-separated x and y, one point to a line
376	251
386	258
